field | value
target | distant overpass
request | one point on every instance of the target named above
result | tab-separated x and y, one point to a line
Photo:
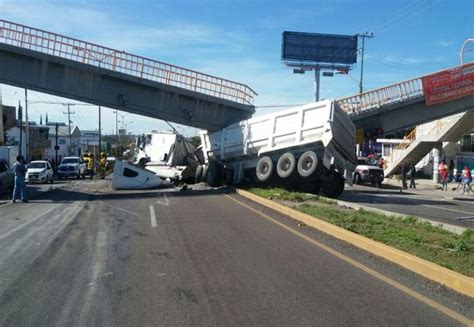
63	66
400	106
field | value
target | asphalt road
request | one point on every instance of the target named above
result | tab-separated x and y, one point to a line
445	207
83	255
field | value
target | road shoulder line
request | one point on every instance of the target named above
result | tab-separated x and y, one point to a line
456	281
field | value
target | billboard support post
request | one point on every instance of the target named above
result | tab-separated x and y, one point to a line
317	74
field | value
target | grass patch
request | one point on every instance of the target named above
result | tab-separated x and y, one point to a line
282	194
421	239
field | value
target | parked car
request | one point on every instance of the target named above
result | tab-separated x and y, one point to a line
368	171
7	177
39	171
72	167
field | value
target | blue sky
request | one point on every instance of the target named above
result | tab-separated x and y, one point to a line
241	41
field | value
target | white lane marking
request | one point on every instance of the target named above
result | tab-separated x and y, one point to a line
153	216
442	208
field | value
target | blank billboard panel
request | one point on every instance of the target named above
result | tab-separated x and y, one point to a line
319	48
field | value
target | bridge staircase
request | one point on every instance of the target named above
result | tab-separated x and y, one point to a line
425	137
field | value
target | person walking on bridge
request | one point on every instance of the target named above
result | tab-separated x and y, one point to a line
19	169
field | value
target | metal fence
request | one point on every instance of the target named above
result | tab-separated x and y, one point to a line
123	62
383	96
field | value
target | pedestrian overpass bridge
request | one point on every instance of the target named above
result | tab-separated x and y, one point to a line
63	66
67	67
401	106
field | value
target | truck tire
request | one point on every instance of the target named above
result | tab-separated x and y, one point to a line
307	164
310	185
286	165
333	185
214	175
198	174
264	169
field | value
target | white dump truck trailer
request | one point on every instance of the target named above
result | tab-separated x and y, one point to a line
309	148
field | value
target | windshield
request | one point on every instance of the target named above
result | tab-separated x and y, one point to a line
37	165
368	161
70	161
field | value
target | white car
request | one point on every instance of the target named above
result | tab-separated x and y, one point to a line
39	171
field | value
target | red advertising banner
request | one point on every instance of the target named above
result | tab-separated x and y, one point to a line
449	84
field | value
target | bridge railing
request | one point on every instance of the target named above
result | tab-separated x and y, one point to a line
123	62
374	99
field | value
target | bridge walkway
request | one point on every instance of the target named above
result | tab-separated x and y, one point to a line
52	63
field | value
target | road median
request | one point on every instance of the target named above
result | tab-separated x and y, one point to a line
308	215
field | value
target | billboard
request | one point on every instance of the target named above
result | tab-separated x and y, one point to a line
319	48
449	84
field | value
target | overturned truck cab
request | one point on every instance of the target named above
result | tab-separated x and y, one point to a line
310	148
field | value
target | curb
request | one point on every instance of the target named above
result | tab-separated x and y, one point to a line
456	281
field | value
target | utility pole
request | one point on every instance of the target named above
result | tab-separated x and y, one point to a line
20	117
363	36
69	113
100	130
56	147
27	138
116	132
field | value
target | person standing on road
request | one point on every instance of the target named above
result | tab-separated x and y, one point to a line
103	164
443	173
19	169
90	165
403	173
466	180
451	170
412	177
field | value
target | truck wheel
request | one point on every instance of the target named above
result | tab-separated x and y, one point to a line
198	174
309	185
333	185
264	169
214	174
307	164
286	165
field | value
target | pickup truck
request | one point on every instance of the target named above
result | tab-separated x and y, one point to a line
7	177
72	167
367	171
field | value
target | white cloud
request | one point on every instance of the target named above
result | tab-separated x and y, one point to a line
445	43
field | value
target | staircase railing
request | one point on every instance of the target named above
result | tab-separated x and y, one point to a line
123	62
431	128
